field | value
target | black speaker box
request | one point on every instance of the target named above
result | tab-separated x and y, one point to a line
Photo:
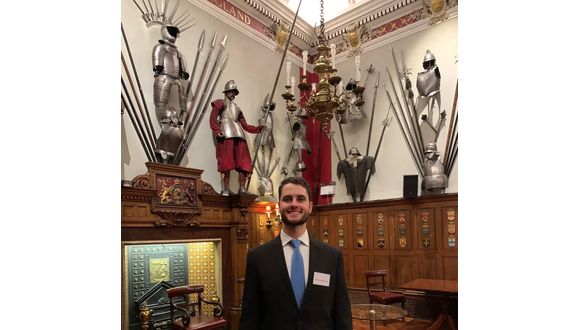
410	185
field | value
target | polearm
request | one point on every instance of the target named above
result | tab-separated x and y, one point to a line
331	136
151	138
410	108
190	124
186	143
413	155
201	80
273	90
386	124
373	112
138	128
452	124
150	127
414	139
199	50
452	155
342	138
204	98
139	134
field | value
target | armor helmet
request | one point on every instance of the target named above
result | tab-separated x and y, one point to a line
300	166
428	60
354	151
266	104
350	85
431	147
231	86
169	33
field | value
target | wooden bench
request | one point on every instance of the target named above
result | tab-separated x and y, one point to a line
191	310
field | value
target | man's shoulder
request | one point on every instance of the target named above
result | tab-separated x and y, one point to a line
266	247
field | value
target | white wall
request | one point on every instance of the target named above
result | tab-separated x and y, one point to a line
253	66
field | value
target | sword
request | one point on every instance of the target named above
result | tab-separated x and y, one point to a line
274	88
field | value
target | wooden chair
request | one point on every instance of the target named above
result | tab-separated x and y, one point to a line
192	318
377	289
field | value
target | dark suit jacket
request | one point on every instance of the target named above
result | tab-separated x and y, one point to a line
269	303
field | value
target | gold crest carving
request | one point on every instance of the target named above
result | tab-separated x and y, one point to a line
281	33
353	39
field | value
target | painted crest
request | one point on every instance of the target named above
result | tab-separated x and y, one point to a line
426	242
451	228
451	241
425	229
402	241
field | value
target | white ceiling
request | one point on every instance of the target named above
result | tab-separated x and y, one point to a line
310	9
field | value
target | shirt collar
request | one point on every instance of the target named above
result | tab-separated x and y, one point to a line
305	239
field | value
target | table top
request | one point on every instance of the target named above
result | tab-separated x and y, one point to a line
431	285
376	312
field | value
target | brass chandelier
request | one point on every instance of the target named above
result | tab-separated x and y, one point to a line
327	97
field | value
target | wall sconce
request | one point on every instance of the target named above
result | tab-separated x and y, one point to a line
268	212
277	219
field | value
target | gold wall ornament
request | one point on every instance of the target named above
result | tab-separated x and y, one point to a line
352	38
158	270
281	34
437	9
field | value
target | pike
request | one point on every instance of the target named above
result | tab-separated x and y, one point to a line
249	178
139	135
373	112
150	135
198	54
342	138
452	124
386	124
148	17
413	138
200	81
173	12
138	128
331	137
414	156
185	144
410	108
276	162
150	127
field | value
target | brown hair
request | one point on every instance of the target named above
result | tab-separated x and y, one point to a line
297	181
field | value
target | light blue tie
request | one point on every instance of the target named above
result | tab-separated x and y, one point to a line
297	271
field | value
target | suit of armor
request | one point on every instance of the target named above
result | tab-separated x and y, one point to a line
435	179
299	143
355	170
169	67
227	124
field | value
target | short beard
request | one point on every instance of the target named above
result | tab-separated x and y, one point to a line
295	224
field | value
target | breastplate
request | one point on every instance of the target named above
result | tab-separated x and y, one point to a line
428	83
171	65
229	121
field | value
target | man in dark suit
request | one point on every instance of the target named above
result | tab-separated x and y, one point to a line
294	281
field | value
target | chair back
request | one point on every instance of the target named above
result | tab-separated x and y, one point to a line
376	280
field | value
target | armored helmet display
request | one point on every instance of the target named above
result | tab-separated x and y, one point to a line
266	104
169	33
354	151
428	60
431	147
231	86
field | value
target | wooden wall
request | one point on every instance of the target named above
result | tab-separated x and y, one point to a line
411	238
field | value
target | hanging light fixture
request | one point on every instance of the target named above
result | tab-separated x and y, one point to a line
326	98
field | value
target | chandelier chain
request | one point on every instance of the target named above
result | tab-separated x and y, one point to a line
322	18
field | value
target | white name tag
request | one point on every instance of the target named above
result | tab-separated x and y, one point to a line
321	279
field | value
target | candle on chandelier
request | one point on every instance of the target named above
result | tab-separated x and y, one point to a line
357	67
313	87
333	54
304	61
293	82
288	67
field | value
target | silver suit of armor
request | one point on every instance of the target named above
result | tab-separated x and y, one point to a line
229	124
267	137
435	177
171	135
299	137
429	81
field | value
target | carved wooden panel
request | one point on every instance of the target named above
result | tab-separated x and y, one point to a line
406	269
342	236
403	226
449	227
379	230
360	264
428	266
325	229
450	268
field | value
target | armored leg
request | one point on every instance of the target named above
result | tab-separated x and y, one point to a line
226	184
242	182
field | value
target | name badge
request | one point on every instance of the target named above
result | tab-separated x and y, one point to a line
321	279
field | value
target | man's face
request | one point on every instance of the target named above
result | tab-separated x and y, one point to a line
230	95
295	207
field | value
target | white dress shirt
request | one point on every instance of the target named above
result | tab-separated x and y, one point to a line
289	249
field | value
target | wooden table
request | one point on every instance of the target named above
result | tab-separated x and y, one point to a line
444	290
374	312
